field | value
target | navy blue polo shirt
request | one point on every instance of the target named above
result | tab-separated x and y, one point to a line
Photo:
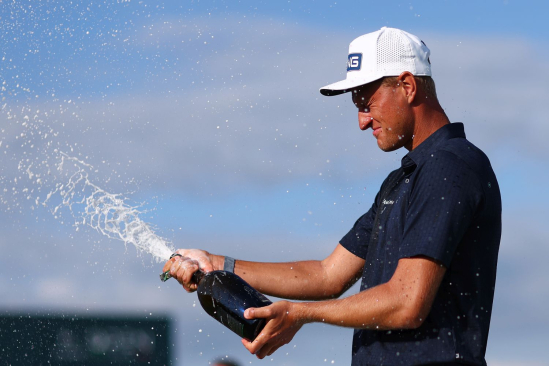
443	203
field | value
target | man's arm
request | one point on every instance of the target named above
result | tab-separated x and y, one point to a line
402	303
303	280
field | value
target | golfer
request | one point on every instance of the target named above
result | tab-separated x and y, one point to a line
425	252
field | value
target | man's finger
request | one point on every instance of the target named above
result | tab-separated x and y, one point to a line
248	345
174	267
190	268
167	266
198	255
266	350
256	345
254	313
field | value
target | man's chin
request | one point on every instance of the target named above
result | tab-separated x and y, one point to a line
387	147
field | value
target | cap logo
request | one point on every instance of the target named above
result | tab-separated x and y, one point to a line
354	61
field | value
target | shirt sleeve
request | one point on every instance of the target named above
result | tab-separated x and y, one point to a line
444	200
357	239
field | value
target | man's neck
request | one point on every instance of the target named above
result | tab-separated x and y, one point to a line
428	121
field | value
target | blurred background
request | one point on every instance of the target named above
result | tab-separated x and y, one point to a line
205	117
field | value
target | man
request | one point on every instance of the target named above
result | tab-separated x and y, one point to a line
427	248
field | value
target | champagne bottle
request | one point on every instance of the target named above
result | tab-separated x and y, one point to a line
225	296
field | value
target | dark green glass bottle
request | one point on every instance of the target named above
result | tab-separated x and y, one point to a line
225	296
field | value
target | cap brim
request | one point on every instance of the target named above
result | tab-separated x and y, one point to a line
344	86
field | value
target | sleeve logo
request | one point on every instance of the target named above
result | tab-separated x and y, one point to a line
354	61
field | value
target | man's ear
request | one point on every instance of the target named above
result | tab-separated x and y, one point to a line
409	87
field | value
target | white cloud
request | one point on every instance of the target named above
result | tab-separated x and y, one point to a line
254	115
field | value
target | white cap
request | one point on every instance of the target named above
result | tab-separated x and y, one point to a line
386	52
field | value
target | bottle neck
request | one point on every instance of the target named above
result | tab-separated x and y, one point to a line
198	276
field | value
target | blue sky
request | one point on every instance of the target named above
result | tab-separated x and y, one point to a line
209	114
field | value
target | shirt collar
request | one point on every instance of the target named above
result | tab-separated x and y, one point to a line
445	133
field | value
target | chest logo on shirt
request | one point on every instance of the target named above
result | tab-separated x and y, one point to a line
388	202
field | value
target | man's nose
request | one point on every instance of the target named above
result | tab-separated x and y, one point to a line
364	120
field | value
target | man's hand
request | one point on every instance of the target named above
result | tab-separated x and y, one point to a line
191	260
283	322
